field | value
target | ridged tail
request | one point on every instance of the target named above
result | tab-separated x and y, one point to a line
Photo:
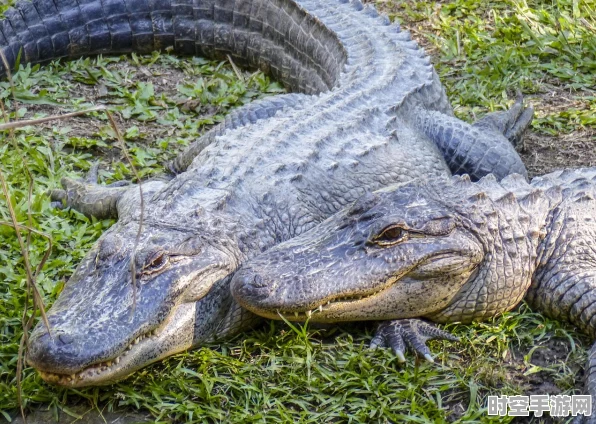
276	36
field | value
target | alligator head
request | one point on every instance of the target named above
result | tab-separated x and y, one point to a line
402	252
103	328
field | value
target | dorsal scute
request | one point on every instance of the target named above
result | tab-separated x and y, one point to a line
462	179
515	182
584	184
506	199
461	182
544	181
357	4
487	180
371	11
479	196
531	198
466	178
492	187
584	196
403	36
555	193
384	20
567	173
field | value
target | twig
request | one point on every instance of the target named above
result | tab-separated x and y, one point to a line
8	74
140	229
24	123
235	68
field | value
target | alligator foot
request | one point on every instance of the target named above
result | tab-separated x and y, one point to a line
512	123
414	333
485	147
89	198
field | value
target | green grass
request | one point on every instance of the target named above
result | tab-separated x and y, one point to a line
483	51
487	50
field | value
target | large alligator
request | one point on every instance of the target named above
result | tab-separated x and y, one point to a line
446	250
368	111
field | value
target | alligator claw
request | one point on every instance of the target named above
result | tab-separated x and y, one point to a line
56	204
519	122
88	197
512	123
413	333
92	176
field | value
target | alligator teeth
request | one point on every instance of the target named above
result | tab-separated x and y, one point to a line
117	360
320	308
308	313
296	314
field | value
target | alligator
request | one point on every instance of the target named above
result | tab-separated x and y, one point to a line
365	110
444	250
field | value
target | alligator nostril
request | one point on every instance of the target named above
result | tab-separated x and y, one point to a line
59	352
258	281
248	285
65	339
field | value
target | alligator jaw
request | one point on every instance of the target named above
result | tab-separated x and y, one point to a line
328	307
175	335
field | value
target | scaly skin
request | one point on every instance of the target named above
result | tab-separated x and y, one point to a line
447	250
368	111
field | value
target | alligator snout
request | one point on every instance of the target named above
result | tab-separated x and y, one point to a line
58	353
249	286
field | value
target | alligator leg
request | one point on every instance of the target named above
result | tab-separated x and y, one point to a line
482	148
572	297
512	123
89	198
564	285
414	333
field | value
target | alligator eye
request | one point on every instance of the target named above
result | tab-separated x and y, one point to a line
155	262
390	236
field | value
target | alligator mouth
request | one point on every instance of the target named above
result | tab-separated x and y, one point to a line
101	370
172	336
337	303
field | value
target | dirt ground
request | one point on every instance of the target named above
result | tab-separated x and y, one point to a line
543	153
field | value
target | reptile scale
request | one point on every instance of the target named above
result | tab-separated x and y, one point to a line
366	110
